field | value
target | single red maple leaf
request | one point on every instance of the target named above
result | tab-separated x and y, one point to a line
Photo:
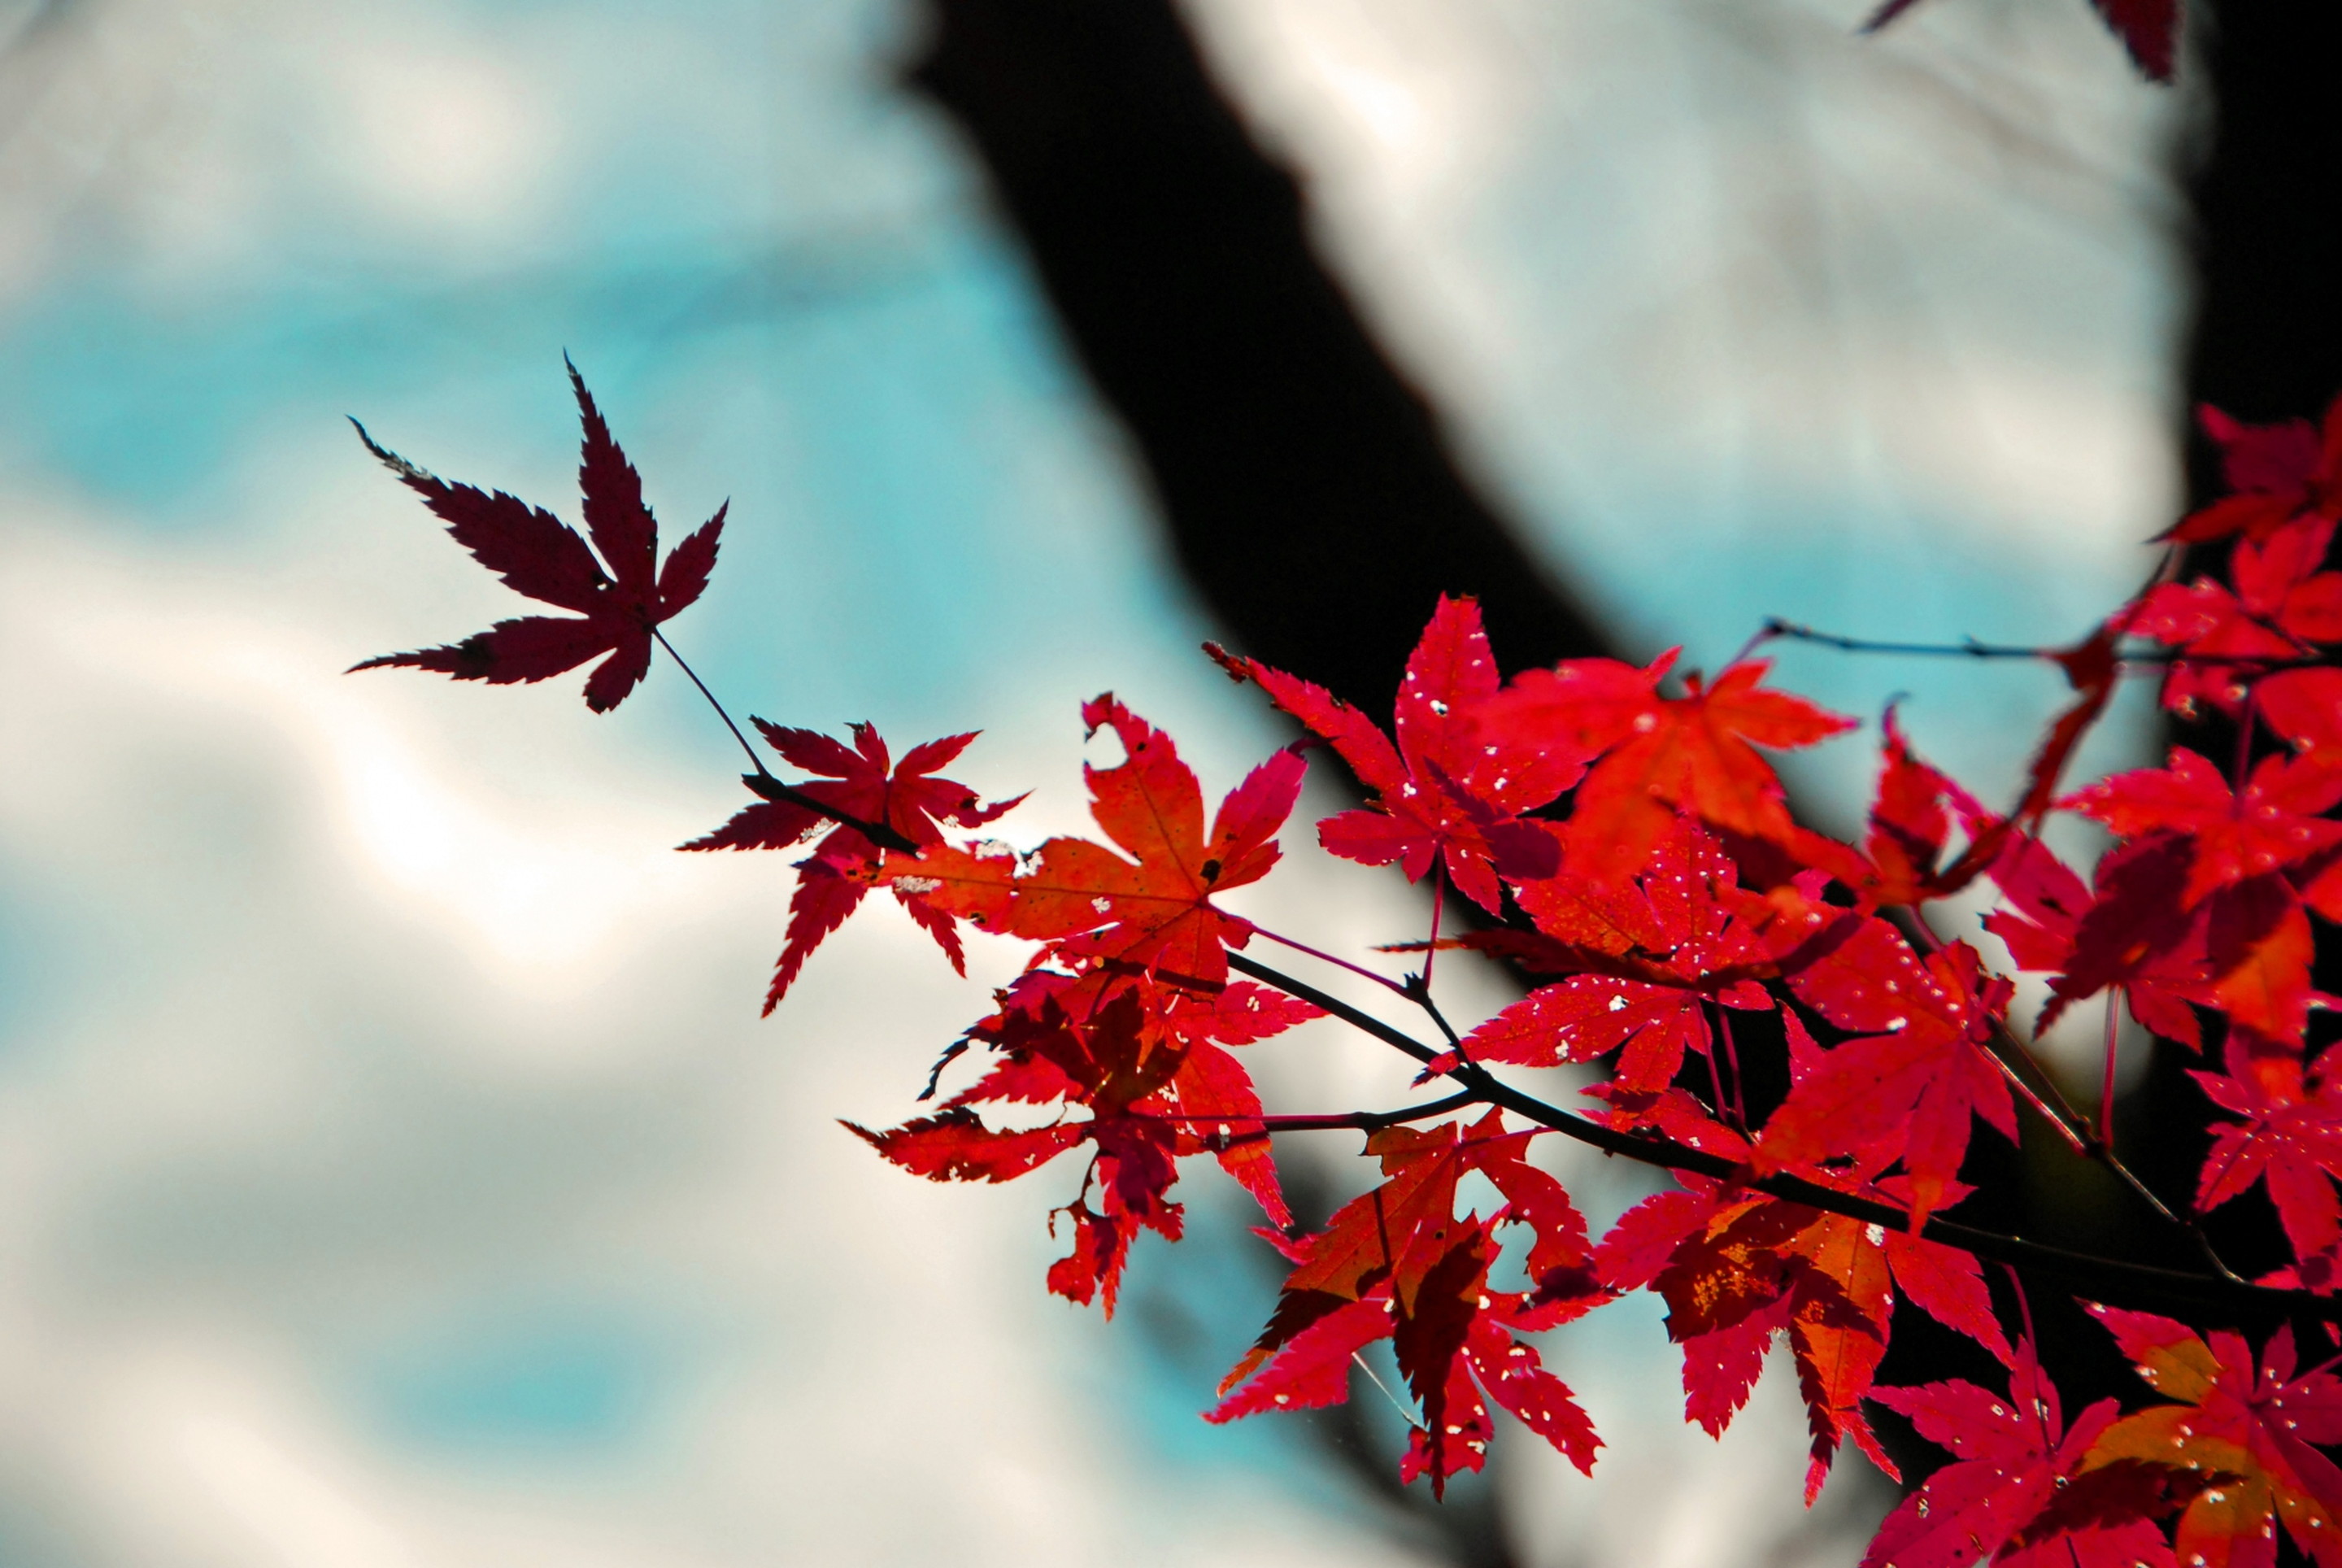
1209	1100
1116	1068
1736	1269
2250	1432
2274	823
1695	754
623	597
1089	904
863	782
2277	472
1441	794
1397	1262
1909	1093
2290	1139
2013	1460
2129	931
1682	916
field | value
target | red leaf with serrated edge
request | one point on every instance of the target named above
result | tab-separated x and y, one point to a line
956	1146
2249	1430
1400	1251
1696	753
1948	1284
622	597
1755	1265
1685	912
2290	1138
1091	905
2258	945
1909	1093
1240	1014
1440	794
1313	1369
2277	472
1515	1378
1908	822
862	782
2274	824
1120	1067
2014	1460
1213	1096
2305	706
2133	934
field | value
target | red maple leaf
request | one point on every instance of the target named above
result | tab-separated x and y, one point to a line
2249	1432
1395	1262
2114	936
1682	918
1113	1066
537	554
1909	1093
2281	606
857	783
1736	1269
2274	823
1697	754
1209	1100
2290	1139
2277	472
1090	904
2014	1461
1441	794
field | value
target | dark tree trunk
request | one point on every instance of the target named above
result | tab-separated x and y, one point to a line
1312	499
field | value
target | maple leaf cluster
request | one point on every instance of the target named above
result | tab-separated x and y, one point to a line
1622	837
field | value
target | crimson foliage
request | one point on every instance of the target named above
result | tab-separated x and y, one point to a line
1627	829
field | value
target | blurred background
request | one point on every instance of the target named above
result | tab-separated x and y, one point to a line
393	1167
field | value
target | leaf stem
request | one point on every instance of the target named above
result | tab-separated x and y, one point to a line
2107	1076
681	663
1382	981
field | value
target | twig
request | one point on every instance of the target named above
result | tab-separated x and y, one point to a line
1970	647
1382	981
754	761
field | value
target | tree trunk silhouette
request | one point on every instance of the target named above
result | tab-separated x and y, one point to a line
1312	499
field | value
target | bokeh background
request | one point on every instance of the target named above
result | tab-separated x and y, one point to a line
393	1167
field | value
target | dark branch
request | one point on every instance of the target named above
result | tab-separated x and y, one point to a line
1970	647
2113	1280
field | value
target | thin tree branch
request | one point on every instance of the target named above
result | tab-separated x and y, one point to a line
2113	1280
1970	647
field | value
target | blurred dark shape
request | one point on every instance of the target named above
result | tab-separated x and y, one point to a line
2268	197
1311	497
2265	177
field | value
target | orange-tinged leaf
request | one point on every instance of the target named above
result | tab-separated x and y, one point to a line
1092	904
2249	1429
